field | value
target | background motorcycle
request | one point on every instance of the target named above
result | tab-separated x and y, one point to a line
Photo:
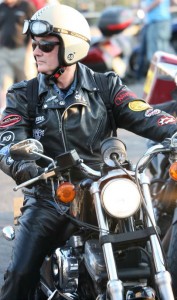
111	50
160	83
160	90
115	252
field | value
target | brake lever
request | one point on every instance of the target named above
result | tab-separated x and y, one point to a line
43	176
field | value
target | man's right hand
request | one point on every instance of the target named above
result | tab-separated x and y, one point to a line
25	171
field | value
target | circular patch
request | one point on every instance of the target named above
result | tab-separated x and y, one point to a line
138	105
7	137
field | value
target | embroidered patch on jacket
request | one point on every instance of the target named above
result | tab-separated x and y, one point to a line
152	112
138	105
165	120
122	96
10	120
7	137
39	119
38	133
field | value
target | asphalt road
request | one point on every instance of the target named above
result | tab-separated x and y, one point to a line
136	146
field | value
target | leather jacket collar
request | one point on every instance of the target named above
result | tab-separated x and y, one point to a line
82	80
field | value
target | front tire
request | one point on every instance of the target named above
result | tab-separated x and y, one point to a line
172	258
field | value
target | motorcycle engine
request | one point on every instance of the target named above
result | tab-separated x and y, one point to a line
65	267
65	270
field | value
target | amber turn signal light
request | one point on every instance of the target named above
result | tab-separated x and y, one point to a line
173	171
66	192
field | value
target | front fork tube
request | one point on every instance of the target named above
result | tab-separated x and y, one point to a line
162	276
114	286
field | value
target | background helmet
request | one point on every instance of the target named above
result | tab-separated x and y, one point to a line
68	25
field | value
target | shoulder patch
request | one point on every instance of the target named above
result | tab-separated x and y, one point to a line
10	120
124	95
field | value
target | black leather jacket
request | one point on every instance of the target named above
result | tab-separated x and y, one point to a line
83	123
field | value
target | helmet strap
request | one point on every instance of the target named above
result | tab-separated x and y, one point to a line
57	73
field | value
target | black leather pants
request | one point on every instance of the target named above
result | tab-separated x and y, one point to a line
41	228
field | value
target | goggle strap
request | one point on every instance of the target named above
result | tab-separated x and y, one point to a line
72	33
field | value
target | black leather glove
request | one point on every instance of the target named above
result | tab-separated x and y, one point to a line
25	170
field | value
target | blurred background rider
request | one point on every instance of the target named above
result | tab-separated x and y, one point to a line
158	27
13	44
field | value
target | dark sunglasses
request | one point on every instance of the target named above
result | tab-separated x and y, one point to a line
44	46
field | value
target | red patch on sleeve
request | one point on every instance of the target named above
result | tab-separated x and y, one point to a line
124	95
10	120
165	120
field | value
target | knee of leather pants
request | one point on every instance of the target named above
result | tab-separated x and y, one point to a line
40	226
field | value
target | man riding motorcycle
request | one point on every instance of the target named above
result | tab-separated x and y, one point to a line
70	114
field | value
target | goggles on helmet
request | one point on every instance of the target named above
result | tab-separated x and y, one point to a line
42	28
38	27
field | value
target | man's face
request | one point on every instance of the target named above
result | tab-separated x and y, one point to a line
46	62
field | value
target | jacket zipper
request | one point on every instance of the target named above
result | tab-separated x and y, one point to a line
60	127
60	118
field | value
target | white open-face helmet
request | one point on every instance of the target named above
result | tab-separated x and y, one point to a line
68	24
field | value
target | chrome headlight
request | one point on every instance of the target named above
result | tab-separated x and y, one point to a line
120	198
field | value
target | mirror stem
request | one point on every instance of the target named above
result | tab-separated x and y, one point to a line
45	157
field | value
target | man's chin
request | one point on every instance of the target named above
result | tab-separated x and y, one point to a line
42	71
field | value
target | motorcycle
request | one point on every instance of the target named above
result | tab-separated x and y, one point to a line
161	81
164	195
160	91
115	253
111	50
